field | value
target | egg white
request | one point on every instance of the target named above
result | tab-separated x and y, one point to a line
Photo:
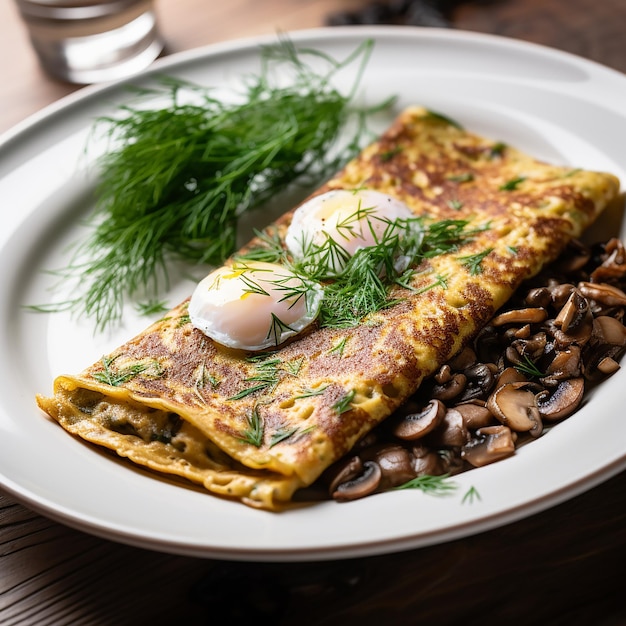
353	219
253	306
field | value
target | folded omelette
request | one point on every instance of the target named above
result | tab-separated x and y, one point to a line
257	427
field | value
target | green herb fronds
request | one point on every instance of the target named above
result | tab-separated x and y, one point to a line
471	496
269	371
473	262
255	429
344	404
434	485
114	376
175	180
511	185
529	367
356	286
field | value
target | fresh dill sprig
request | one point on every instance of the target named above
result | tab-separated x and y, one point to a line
277	328
434	485
339	347
345	402
255	429
174	181
310	393
111	375
473	262
268	373
465	177
511	185
287	432
356	286
471	495
152	307
529	367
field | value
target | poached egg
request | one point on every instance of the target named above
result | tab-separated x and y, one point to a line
351	219
253	305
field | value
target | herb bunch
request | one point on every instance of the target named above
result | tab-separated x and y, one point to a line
175	180
356	286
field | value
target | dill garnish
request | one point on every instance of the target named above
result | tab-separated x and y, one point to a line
253	434
473	262
465	177
115	377
471	495
511	185
529	367
456	205
345	402
339	347
174	180
356	286
439	117
434	485
310	393
268	373
152	307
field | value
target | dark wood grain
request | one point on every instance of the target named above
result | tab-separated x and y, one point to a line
564	566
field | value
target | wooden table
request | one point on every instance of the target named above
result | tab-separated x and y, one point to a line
563	566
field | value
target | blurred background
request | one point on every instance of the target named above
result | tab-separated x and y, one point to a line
589	28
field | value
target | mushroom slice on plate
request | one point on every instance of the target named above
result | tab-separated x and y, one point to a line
563	401
490	444
417	424
513	404
357	479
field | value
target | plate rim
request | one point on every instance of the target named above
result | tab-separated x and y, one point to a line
207	52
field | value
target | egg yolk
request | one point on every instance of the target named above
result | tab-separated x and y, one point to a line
253	306
350	219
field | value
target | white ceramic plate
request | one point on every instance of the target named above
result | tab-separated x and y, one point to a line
553	105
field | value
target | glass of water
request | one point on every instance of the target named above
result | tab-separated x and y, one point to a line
89	41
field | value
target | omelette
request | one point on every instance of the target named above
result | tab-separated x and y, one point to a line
258	424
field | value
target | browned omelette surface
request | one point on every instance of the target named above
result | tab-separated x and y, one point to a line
259	427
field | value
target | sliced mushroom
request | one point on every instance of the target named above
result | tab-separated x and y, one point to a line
523	332
574	323
573	314
533	347
451	389
560	292
444	375
510	375
608	366
417	424
490	444
539	297
613	264
343	471
396	465
475	414
452	433
603	293
480	379
608	330
427	461
563	401
608	341
464	359
488	345
565	364
513	404
357	486
530	315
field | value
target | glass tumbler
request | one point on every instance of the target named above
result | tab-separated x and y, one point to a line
89	41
